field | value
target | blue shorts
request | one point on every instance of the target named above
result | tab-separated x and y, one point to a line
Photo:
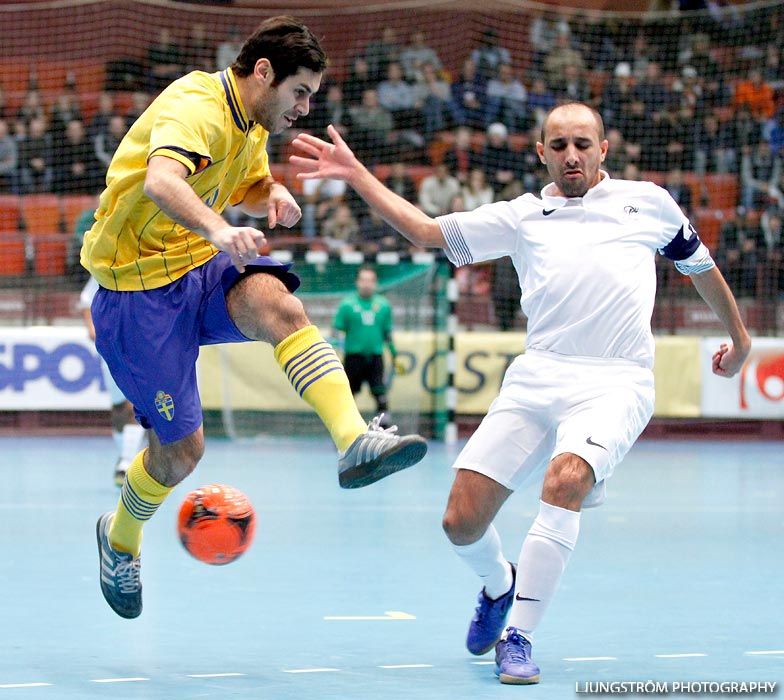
150	339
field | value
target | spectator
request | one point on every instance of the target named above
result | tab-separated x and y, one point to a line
229	48
617	94
165	61
562	55
506	100
398	97
461	158
715	147
618	155
340	229
32	107
35	158
476	191
359	80
106	142
375	234
64	110
759	169
433	94
320	198
540	100
468	103
9	159
198	52
679	190
501	164
489	55
572	85
541	38
75	167
437	190
99	123
756	93
329	110
371	127
400	182
652	91
740	241
415	55
380	52
140	100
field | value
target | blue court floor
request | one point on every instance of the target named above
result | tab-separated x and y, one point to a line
357	595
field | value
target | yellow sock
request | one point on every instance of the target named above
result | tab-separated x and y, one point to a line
141	495
317	374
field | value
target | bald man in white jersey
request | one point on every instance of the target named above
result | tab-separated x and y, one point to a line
571	407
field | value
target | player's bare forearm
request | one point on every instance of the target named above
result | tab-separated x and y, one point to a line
165	185
712	287
336	161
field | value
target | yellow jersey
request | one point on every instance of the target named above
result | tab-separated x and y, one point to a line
200	121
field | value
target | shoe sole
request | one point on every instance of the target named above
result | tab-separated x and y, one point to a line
122	613
405	455
482	652
517	680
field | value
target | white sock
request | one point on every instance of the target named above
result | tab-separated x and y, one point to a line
118	440
134	440
486	560
543	558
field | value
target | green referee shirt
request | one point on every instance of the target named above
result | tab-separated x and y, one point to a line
367	324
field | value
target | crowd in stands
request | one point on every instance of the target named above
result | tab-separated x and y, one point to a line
708	101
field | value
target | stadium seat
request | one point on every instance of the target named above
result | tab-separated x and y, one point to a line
722	190
41	214
13	261
708	222
9	212
73	206
50	254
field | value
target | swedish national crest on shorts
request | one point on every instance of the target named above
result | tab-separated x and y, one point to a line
165	405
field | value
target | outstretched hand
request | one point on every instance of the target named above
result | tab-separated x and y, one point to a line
327	160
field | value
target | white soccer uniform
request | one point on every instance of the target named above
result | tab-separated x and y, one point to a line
586	267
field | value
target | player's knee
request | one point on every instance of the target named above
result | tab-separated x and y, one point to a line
170	464
459	529
567	482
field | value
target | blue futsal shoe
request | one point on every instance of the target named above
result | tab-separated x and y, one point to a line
120	574
377	453
489	620
513	663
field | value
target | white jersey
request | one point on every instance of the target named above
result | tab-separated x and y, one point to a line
88	293
586	265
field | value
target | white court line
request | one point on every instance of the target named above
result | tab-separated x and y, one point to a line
592	658
409	666
117	680
483	663
309	670
764	653
677	656
213	675
23	685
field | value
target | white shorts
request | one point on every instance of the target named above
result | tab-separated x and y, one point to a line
550	404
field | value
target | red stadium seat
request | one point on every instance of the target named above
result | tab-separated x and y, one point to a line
50	254
13	261
41	214
9	212
722	190
73	206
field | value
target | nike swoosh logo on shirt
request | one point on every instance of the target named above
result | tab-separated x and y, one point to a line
521	597
547	212
595	444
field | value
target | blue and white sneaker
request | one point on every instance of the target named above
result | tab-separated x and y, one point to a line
489	619
377	453
120	574
513	663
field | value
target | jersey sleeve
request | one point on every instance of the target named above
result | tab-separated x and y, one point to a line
186	135
488	232
682	243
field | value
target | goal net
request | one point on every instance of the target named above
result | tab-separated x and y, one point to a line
444	101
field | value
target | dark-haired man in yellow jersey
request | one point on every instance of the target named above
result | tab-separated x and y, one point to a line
174	275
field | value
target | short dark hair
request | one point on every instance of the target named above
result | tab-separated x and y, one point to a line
575	103
286	43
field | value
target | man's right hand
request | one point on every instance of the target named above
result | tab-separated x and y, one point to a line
241	243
